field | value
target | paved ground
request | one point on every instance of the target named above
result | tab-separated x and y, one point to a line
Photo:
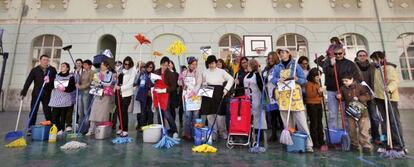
104	153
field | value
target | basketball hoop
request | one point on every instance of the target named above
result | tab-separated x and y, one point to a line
260	50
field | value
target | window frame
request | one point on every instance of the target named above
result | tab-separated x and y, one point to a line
55	49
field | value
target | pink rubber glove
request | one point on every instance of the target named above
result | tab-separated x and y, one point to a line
46	79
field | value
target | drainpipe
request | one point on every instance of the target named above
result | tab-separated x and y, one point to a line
19	21
379	25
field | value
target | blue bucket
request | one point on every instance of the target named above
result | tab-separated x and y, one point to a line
200	135
40	133
335	135
11	136
299	143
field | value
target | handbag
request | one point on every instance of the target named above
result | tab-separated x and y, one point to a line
206	91
355	109
108	91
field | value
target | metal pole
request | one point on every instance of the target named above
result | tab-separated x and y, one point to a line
379	24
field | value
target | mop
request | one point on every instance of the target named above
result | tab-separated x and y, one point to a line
166	141
15	138
257	148
285	137
121	139
206	148
345	139
21	142
390	153
324	148
75	145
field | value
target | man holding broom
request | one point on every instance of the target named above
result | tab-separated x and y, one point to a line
38	75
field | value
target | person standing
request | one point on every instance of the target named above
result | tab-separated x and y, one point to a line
126	90
283	73
38	75
240	75
214	77
85	98
367	70
343	66
143	97
61	98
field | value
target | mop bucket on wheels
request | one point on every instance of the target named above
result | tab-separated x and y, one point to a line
103	130
240	121
335	135
152	133
40	133
299	143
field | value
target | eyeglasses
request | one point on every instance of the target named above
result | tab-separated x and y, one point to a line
340	53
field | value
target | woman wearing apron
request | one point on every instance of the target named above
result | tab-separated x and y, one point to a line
215	78
281	74
255	83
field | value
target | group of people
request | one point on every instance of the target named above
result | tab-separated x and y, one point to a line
114	90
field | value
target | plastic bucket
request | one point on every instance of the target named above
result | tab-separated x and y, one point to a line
299	143
40	133
152	134
335	135
103	130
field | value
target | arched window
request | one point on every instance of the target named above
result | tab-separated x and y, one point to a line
107	42
352	44
50	45
227	42
405	44
292	42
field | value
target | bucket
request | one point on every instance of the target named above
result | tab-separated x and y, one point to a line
335	135
200	136
103	130
152	133
40	133
299	143
53	133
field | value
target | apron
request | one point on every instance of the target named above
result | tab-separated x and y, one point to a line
211	105
283	97
256	105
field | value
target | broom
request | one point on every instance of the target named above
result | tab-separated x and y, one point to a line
15	138
285	137
345	139
324	148
206	148
166	141
121	139
257	148
391	152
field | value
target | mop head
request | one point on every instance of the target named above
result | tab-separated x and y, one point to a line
257	149
11	136
72	135
345	142
391	153
73	145
204	148
122	140
20	142
285	137
166	142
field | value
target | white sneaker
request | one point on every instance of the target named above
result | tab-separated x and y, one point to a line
124	134
118	132
175	135
89	133
68	129
60	133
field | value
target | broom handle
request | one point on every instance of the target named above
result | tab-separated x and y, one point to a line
215	120
119	108
323	103
291	94
18	115
37	102
340	100
159	111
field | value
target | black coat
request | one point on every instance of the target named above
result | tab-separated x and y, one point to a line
343	67
37	75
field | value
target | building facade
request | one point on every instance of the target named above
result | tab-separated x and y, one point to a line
35	27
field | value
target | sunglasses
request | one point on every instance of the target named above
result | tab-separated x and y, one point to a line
126	64
340	53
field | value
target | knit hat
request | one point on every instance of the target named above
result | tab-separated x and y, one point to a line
211	59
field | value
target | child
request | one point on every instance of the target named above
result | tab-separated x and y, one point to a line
352	91
313	91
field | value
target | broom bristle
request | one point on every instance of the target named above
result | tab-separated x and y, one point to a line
392	154
73	145
166	142
257	150
285	137
122	140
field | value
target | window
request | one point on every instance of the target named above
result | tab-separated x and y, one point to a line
227	42
405	44
107	42
292	42
352	44
47	44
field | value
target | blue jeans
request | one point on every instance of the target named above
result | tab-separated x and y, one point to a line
374	120
333	105
190	117
85	102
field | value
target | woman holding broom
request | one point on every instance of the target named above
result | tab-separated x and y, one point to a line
215	78
283	73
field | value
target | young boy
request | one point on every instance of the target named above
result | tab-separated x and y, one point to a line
352	91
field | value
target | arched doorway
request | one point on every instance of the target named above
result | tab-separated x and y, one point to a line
107	42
